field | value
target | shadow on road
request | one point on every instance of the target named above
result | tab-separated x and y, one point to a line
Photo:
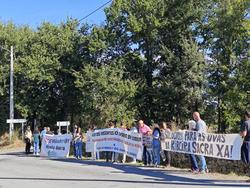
18	154
158	176
127	181
152	175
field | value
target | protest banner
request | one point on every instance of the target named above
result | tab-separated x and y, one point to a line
115	140
147	141
89	147
56	145
223	146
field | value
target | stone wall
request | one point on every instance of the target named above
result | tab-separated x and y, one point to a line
214	165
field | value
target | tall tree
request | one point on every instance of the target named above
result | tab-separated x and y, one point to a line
46	84
10	35
106	95
226	35
152	36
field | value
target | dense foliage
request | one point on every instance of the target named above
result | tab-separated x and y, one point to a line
157	60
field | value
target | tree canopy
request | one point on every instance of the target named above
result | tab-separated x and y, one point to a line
156	60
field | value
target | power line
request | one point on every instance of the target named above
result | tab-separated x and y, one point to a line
95	10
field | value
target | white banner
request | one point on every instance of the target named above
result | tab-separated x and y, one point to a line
115	140
223	146
56	145
147	141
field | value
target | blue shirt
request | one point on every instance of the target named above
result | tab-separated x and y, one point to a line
43	133
156	137
201	126
36	137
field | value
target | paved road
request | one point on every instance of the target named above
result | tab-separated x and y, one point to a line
19	171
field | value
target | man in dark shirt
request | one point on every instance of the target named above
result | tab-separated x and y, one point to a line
245	133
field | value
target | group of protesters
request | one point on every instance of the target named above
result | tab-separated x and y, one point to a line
35	138
162	131
153	153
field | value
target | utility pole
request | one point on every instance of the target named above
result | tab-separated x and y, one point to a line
11	92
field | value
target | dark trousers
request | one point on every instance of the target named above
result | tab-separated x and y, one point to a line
40	144
245	152
27	147
74	147
147	157
168	157
108	156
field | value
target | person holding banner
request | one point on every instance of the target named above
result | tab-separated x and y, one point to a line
194	164
145	131
165	133
75	128
94	154
97	152
43	132
245	133
134	129
108	154
78	143
201	127
49	131
156	144
125	128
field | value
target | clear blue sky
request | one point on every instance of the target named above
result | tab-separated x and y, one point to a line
34	12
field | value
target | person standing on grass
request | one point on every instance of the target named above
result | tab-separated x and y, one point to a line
156	144
245	133
36	139
28	139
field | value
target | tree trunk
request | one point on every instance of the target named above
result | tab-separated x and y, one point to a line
149	80
219	115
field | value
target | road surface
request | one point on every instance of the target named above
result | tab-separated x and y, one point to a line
21	171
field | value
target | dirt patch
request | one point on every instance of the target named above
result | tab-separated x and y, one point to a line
5	142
